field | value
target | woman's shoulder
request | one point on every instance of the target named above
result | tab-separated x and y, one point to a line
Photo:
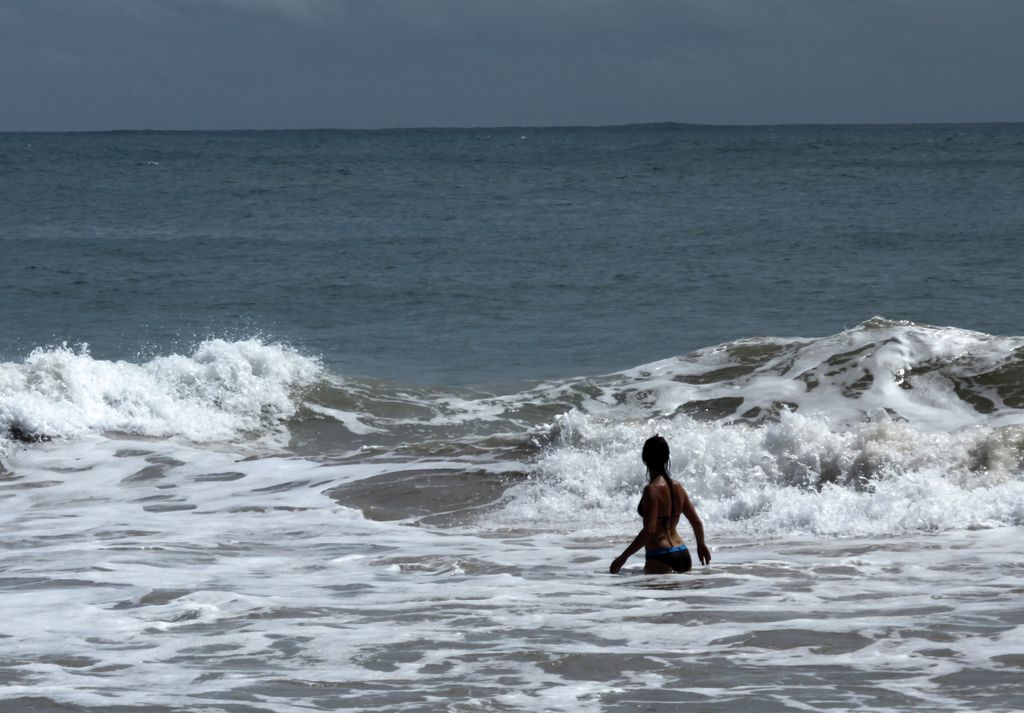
678	487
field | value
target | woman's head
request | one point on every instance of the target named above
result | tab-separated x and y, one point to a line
655	455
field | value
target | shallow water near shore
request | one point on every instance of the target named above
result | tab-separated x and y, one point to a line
210	580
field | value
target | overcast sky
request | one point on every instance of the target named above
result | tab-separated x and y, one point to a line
220	64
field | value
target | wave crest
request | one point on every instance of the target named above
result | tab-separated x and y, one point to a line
219	391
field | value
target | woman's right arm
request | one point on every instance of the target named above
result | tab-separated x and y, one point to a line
649	505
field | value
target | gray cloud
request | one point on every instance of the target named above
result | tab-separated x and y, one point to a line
110	64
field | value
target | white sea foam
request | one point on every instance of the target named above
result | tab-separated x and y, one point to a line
854	532
797	475
153	573
218	392
348	419
883	429
910	370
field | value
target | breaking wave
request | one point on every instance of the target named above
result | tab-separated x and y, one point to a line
888	427
219	392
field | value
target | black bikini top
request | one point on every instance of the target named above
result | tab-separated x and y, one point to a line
672	501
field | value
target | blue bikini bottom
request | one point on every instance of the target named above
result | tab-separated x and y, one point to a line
678	557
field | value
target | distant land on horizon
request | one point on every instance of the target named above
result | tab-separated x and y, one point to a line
526	127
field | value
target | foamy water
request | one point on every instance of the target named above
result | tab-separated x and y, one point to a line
233	529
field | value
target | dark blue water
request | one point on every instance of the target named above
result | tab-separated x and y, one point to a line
474	256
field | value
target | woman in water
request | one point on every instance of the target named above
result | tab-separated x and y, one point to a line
663	501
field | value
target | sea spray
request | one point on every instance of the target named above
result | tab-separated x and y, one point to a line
218	392
886	428
787	477
455	530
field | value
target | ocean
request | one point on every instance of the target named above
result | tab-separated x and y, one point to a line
324	420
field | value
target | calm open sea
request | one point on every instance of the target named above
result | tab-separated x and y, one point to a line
321	420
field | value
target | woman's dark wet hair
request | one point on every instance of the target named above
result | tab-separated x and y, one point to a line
656	455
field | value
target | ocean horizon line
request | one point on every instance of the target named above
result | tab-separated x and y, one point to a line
519	127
